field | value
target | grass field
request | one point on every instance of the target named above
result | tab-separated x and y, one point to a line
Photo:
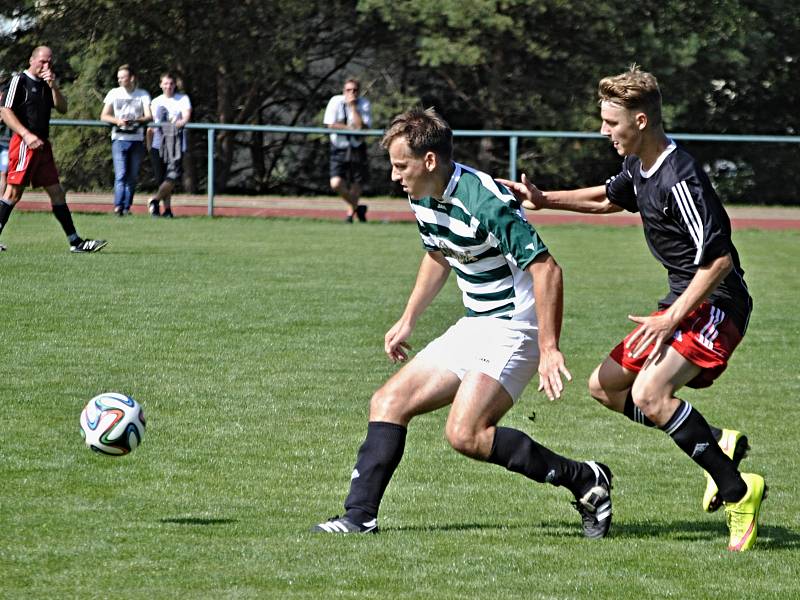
254	346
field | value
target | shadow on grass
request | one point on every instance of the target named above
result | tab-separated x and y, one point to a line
769	537
197	521
455	527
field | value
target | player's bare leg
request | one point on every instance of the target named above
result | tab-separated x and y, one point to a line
655	386
479	405
610	384
472	430
415	389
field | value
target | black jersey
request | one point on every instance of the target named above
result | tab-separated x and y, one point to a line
31	100
685	225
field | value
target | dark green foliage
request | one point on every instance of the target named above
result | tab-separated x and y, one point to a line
725	66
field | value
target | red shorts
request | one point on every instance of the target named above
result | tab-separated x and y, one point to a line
31	167
705	337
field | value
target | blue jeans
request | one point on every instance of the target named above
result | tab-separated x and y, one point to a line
127	159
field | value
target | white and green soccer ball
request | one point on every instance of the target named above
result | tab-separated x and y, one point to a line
112	424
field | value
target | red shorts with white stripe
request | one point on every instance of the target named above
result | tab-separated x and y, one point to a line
36	168
705	337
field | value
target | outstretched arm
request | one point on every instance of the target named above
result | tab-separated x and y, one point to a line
584	200
431	277
548	290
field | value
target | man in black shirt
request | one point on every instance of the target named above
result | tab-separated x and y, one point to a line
689	340
27	101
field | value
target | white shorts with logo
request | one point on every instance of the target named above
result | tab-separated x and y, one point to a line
507	351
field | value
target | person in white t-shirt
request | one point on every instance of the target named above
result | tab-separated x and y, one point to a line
172	110
127	108
349	162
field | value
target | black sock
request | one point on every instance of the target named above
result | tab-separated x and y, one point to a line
517	452
64	216
637	416
689	430
5	213
634	414
377	459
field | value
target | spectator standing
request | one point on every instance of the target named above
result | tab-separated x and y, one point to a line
27	102
127	108
172	110
348	161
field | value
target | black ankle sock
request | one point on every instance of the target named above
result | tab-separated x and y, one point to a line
377	460
634	414
691	432
5	213
64	216
517	452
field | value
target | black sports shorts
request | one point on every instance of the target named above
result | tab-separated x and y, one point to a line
350	164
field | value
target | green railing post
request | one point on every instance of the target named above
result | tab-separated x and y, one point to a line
513	141
210	177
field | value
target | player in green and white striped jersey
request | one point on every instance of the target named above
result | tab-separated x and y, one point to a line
482	233
513	294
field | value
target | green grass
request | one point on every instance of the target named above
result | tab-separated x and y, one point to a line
254	346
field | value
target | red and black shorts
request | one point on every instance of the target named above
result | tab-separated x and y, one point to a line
706	337
36	168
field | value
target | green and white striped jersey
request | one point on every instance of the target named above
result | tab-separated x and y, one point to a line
481	230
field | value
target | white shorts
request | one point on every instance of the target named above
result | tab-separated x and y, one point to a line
507	351
4	160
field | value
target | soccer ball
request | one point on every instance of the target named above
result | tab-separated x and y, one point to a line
112	424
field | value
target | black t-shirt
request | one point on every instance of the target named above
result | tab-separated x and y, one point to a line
31	100
685	225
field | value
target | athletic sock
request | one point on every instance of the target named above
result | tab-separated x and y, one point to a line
635	414
64	216
691	433
5	213
519	453
377	460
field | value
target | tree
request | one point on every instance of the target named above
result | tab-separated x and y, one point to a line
726	66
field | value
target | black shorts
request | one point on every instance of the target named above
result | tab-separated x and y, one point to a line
350	164
165	171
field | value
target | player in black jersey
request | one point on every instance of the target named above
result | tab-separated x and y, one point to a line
27	101
691	336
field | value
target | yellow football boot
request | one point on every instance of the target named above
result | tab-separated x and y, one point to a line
742	516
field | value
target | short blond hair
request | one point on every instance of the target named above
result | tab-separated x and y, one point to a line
635	90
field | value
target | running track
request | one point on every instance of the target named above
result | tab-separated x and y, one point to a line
386	210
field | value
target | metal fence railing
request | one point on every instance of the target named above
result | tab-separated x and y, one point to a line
513	137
